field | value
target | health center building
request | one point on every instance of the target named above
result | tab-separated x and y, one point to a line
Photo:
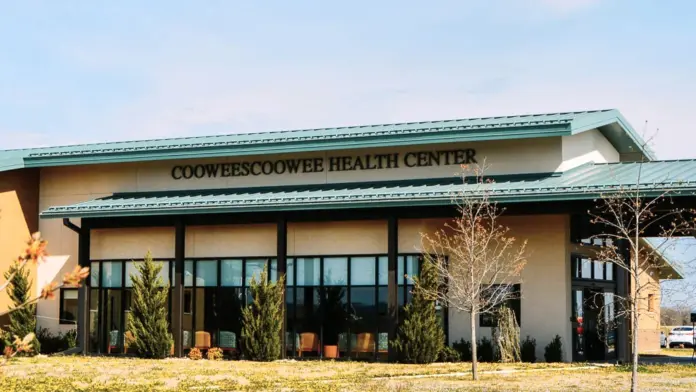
340	213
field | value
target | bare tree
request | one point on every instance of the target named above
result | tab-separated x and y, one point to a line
476	258
626	216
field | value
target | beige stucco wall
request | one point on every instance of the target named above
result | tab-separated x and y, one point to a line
649	319
589	146
545	284
337	238
231	240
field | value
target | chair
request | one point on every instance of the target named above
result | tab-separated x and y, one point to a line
309	342
228	341
202	340
113	341
365	343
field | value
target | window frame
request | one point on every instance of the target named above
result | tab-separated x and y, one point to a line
576	260
61	310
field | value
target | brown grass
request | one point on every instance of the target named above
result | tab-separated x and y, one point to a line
115	374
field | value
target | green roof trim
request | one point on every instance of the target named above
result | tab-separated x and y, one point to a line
671	268
610	122
585	182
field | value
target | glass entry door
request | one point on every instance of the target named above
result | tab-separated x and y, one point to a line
593	324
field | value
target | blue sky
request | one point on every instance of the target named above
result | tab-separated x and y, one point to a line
81	71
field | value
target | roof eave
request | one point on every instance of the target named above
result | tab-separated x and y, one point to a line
603	122
301	146
286	205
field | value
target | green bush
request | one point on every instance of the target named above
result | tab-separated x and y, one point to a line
148	320
486	351
71	338
22	320
554	350
528	350
51	344
463	347
449	354
420	337
262	319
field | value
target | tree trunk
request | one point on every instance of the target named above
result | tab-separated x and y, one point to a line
634	309
474	354
634	354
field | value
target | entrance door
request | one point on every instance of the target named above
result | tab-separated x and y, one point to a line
592	324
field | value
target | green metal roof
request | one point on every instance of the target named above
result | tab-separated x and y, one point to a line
582	183
610	122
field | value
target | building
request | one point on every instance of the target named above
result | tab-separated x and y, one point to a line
339	210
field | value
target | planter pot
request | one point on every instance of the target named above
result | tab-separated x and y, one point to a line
330	351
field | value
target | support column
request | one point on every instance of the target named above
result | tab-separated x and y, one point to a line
178	291
83	293
623	288
392	288
281	258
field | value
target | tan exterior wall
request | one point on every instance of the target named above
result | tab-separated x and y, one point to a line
231	241
337	238
649	312
545	284
18	219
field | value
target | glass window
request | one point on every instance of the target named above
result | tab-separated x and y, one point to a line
598	270
206	273
188	273
383	278
586	269
290	267
188	301
362	271
307	271
514	302
111	273
94	274
131	269
335	271
231	271
164	272
68	306
411	268
400	279
274	271
254	268
609	271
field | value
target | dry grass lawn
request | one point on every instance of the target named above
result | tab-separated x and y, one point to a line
121	374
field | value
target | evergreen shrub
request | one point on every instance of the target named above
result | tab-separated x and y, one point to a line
420	337
554	350
262	319
528	350
148	319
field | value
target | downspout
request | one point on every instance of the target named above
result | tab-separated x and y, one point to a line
80	304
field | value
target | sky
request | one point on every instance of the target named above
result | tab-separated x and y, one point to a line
85	71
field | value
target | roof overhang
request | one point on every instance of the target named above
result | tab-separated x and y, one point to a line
610	122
